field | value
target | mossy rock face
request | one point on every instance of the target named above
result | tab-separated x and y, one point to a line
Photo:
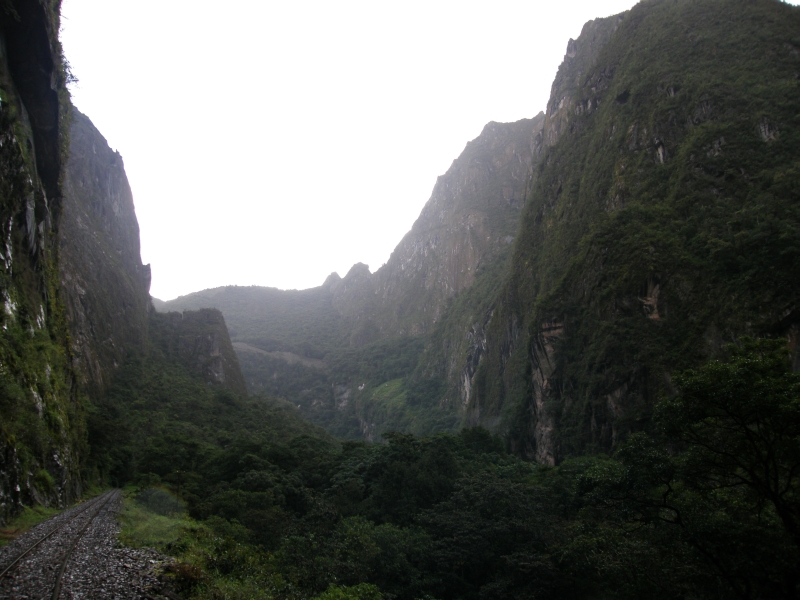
42	438
664	221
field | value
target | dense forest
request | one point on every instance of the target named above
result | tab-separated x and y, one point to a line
705	505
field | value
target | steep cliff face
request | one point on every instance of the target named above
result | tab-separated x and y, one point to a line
470	219
104	284
41	435
459	338
199	339
662	222
566	99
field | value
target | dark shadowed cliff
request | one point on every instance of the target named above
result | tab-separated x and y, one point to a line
42	440
199	340
104	284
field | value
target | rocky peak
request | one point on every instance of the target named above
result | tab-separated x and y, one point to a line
358	273
580	57
471	217
331	280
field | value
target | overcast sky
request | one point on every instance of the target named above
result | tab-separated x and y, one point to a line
271	143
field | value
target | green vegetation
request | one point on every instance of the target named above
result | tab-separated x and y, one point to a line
683	512
156	404
42	437
662	224
345	387
28	518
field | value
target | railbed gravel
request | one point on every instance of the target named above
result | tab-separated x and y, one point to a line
99	567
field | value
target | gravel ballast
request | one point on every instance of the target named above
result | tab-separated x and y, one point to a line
96	565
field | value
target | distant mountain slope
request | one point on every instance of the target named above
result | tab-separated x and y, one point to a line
660	220
273	319
466	228
664	221
471	218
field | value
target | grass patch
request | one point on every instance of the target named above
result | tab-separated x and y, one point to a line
31	516
29	519
146	525
207	563
391	393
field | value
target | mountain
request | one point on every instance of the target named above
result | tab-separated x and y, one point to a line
566	266
76	304
662	224
368	327
470	220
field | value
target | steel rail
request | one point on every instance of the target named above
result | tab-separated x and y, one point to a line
68	554
55	529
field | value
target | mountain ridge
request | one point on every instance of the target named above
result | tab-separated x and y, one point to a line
469	321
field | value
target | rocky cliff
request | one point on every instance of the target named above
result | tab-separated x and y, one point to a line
661	224
199	339
104	284
41	435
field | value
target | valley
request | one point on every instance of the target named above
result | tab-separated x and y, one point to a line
577	375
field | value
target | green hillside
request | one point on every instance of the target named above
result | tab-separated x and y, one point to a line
303	322
665	223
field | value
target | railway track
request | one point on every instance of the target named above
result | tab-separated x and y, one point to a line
33	566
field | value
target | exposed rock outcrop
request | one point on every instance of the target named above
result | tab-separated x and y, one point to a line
105	286
199	339
471	217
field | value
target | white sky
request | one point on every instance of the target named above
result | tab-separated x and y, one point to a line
271	143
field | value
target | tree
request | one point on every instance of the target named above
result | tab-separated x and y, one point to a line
740	422
716	491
